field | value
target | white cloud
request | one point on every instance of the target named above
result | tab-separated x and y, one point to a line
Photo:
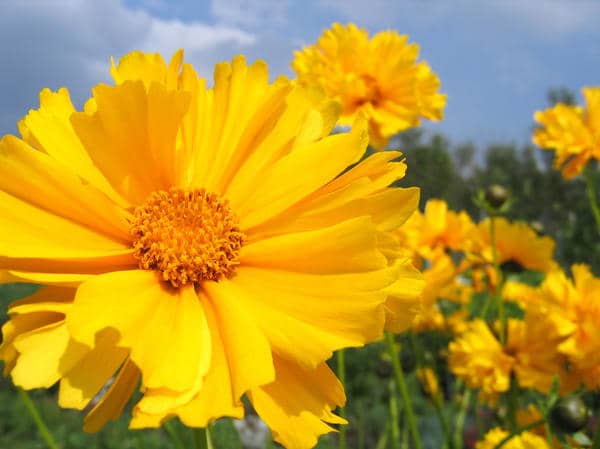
69	43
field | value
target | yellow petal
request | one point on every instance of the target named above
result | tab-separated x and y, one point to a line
147	67
132	136
346	247
214	400
297	406
247	348
37	179
67	280
85	379
164	328
45	354
49	129
307	317
402	304
294	176
112	403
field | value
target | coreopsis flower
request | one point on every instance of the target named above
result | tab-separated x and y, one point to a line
569	312
377	76
572	132
209	243
428	380
437	228
525	440
478	358
515	243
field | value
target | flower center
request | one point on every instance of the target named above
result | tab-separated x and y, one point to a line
187	236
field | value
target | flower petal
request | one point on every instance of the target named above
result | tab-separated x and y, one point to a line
247	348
214	400
164	328
112	403
349	246
307	317
297	406
131	137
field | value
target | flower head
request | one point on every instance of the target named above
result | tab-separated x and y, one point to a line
478	358
573	132
207	242
379	77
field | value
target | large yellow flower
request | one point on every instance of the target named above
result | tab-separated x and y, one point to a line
571	131
201	240
379	76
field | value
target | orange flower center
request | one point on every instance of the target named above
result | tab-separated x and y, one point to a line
187	236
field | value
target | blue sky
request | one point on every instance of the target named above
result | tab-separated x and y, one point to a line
496	58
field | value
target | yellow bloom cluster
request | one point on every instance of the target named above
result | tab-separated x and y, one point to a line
525	440
181	249
379	77
567	312
573	132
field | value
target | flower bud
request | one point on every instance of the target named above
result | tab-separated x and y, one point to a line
496	195
569	414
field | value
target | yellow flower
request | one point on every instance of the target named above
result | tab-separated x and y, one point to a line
379	77
514	242
571	131
525	440
201	240
477	357
567	315
437	228
429	381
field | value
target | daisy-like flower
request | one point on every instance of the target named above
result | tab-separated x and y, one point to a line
573	132
478	358
208	243
515	243
379	77
525	440
437	228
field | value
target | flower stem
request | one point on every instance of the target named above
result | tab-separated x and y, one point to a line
341	373
401	383
596	443
202	438
519	431
37	418
460	419
498	286
394	418
591	192
173	435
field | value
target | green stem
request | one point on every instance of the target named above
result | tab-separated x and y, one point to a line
498	272
596	442
401	383
139	440
37	418
175	438
202	438
435	396
460	419
513	403
382	441
394	418
341	373
591	192
519	431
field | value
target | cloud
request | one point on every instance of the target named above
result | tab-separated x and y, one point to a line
46	45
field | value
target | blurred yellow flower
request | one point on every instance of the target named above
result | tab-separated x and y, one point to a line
514	242
206	241
572	132
428	381
436	229
567	314
525	440
477	357
379	77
